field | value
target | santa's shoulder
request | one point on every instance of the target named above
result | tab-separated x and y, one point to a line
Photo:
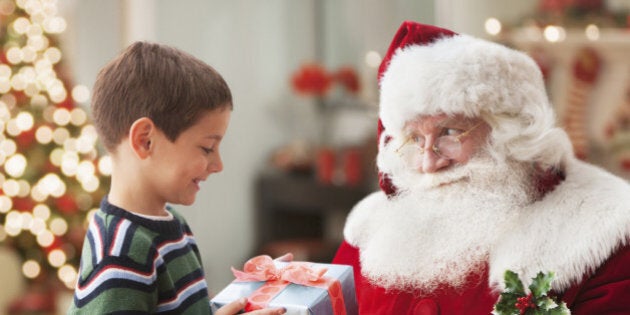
572	231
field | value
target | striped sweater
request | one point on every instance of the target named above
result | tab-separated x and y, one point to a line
135	265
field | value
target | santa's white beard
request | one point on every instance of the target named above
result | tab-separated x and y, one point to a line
438	231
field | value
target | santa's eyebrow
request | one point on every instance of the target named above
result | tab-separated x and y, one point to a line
457	123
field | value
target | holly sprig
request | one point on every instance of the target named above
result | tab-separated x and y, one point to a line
514	300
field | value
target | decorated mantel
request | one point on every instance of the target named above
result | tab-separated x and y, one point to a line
582	48
588	77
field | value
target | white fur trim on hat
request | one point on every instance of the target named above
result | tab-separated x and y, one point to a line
459	74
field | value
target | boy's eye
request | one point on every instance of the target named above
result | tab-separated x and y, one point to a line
206	150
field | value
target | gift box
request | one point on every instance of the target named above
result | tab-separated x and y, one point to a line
303	288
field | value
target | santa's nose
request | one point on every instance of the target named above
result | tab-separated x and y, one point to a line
432	162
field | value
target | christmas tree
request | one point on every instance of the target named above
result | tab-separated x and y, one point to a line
51	174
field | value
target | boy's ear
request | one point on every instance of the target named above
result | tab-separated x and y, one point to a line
141	134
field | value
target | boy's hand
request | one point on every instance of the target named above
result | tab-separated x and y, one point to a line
236	306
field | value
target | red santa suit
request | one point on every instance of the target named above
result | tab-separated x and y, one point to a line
576	225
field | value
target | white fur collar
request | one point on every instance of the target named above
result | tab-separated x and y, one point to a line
570	232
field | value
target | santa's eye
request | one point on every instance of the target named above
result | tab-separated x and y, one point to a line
451	132
417	139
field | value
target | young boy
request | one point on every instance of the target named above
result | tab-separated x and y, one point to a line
161	114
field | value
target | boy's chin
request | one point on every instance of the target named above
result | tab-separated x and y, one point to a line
186	200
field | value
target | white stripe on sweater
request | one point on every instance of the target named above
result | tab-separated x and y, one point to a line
182	295
119	237
119	272
98	240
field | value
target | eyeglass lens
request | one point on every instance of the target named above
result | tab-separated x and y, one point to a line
412	152
445	146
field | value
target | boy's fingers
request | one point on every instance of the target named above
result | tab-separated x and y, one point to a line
238	305
232	308
268	311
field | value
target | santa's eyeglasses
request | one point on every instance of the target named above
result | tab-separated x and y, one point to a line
448	146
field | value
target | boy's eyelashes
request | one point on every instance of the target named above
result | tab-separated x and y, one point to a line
207	150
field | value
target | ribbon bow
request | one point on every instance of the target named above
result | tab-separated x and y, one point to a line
262	268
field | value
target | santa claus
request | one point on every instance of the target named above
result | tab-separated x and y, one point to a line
476	179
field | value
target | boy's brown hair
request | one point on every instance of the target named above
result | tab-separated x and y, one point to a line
160	82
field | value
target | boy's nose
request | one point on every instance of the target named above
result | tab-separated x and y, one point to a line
215	166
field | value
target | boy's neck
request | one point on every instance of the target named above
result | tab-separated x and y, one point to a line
135	202
128	190
130	195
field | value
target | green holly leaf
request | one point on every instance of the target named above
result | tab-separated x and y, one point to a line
560	310
546	303
506	303
541	284
513	290
513	283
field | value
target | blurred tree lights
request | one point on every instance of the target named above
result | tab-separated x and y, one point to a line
51	174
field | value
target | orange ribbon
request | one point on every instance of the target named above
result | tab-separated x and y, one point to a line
262	268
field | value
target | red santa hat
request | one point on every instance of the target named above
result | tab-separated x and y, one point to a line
430	70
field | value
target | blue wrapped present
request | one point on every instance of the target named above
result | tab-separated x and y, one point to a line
303	288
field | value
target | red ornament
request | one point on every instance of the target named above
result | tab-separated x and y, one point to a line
553	5
66	204
589	5
25	139
348	78
68	103
325	165
311	79
352	166
56	244
20	98
23	204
